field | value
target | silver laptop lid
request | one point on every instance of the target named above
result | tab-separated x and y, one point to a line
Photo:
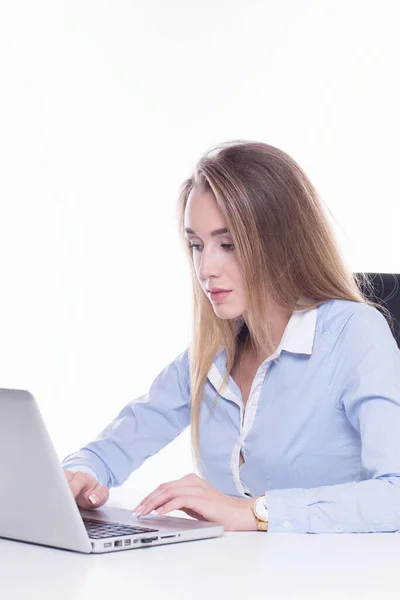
36	503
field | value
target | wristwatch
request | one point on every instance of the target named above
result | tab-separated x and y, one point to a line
261	513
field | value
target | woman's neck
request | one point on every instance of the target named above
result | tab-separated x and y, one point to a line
278	318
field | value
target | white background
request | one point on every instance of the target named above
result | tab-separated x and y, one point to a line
104	109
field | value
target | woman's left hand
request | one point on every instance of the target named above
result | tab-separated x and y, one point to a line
200	500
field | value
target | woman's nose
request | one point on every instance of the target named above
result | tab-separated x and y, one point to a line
209	265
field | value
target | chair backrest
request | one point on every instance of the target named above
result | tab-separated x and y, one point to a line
386	291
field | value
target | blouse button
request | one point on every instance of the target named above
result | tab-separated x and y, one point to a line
339	529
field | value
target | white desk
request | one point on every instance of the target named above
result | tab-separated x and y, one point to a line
243	565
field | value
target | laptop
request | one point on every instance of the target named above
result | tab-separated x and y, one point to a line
37	505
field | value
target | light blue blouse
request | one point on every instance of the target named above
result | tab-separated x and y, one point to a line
320	433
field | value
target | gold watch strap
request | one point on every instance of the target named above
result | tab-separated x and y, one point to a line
261	523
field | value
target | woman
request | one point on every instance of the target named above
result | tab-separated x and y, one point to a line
291	382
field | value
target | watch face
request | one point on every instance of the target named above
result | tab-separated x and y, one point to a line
261	509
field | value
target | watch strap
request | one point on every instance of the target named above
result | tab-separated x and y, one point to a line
261	523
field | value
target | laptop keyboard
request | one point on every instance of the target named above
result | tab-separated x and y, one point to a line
104	529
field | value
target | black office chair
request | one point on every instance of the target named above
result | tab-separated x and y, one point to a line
386	291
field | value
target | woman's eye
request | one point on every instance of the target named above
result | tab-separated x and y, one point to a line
228	247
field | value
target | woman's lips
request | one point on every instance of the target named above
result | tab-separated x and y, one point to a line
219	296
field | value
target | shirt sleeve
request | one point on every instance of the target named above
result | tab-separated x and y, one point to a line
142	428
367	380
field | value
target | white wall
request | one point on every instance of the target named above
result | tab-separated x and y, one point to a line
104	108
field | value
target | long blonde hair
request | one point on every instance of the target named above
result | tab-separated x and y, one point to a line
283	242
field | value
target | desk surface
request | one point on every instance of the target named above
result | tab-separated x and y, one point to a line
237	565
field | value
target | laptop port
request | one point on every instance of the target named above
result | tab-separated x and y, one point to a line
127	542
107	545
118	543
148	540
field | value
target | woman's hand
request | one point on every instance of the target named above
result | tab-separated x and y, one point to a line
200	500
87	491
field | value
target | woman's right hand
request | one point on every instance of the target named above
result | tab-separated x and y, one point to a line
87	491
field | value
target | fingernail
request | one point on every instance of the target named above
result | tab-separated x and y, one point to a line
93	498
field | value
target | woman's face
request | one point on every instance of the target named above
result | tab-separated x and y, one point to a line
214	256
